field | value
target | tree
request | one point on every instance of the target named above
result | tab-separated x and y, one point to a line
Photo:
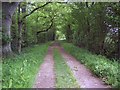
7	12
20	23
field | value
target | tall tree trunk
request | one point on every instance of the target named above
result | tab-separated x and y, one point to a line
102	34
19	30
69	33
7	12
119	41
88	34
0	29
24	27
24	34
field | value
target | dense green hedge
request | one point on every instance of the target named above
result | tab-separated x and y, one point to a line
100	65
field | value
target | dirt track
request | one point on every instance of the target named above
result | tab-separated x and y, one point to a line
46	75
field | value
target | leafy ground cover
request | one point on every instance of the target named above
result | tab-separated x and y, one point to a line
20	71
64	76
99	65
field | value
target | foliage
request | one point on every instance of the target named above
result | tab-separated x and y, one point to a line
92	23
6	38
20	71
94	26
100	65
64	76
41	19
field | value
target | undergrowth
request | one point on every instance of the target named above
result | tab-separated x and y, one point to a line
64	76
20	71
99	65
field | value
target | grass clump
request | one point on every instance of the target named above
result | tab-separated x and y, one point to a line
20	71
100	65
64	76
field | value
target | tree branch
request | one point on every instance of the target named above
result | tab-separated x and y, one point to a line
34	11
47	28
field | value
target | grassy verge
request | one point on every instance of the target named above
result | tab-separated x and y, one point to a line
101	66
64	76
20	71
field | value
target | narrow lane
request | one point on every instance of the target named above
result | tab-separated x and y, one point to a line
84	77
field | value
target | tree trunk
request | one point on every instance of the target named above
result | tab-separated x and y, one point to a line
88	34
0	30
19	31
7	12
69	33
24	27
119	41
102	34
19	37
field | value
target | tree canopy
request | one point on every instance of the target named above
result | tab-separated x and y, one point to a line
92	25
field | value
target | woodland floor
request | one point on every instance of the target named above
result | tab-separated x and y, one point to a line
84	77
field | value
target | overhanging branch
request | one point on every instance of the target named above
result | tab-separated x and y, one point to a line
47	28
34	11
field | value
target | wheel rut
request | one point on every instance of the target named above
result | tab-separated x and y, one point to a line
46	76
84	76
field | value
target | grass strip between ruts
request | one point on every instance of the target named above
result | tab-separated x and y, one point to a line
64	75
